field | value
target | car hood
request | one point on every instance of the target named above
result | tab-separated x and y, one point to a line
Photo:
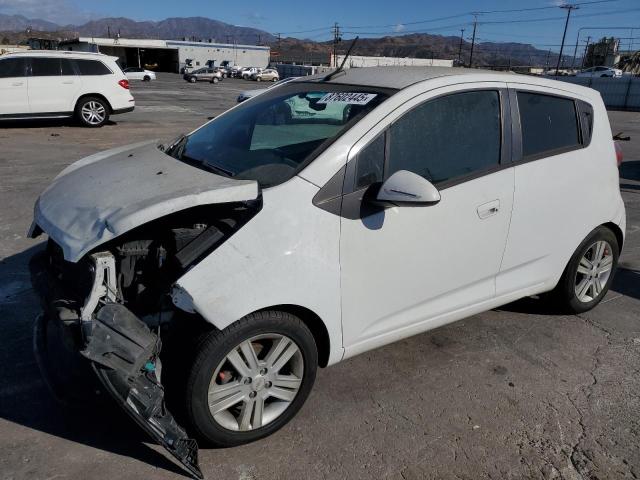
105	195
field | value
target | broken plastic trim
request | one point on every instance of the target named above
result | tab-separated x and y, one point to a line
125	353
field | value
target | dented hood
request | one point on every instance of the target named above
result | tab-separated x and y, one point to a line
105	195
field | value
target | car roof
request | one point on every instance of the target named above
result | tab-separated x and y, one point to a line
58	53
400	77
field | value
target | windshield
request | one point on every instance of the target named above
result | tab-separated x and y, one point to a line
273	136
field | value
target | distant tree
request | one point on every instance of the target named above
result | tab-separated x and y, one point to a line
5	41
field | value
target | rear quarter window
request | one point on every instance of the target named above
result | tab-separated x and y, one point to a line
549	124
92	67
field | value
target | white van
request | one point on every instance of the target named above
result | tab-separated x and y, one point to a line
319	220
52	84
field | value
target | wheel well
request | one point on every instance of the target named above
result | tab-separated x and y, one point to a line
97	95
617	232
313	323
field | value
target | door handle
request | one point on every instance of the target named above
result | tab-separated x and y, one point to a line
488	209
69	82
17	84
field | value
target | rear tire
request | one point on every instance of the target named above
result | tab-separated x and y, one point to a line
92	112
146	78
259	408
589	273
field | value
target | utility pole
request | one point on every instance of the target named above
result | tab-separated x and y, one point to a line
546	63
586	50
568	8
460	47
279	40
336	40
473	39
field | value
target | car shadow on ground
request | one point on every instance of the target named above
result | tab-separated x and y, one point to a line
45	123
630	171
24	398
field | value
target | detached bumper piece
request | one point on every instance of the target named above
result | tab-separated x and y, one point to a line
124	353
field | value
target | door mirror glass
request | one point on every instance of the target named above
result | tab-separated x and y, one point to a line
404	187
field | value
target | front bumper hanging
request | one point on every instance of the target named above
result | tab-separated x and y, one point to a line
125	357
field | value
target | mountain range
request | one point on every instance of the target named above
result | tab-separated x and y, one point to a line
170	28
16	28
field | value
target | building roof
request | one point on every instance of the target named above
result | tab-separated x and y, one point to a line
398	77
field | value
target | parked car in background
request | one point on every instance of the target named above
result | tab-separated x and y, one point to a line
236	71
268	75
223	71
137	73
308	226
205	74
247	94
50	84
600	72
249	72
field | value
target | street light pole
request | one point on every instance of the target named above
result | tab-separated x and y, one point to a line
568	8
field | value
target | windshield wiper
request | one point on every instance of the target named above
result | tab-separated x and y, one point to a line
203	164
176	148
218	170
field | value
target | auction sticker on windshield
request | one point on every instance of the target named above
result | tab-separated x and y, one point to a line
353	98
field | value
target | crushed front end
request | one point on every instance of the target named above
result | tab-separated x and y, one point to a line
114	308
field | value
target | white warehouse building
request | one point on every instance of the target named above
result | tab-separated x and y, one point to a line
171	55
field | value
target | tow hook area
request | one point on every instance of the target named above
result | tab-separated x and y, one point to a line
125	356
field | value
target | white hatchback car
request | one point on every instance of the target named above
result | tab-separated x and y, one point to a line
321	219
51	84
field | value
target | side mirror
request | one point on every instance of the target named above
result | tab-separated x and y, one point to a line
408	188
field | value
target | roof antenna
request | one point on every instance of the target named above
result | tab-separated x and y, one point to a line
341	67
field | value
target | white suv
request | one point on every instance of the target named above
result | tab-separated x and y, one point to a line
50	84
322	219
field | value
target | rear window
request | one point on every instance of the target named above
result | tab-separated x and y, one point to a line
92	67
12	67
548	124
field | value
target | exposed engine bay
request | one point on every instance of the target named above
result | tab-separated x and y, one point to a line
115	308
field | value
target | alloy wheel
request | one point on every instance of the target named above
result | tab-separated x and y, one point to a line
93	112
256	382
594	271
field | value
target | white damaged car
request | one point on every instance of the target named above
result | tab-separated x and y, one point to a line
322	219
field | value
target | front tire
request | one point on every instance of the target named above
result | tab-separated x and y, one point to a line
192	80
215	80
92	112
589	274
248	380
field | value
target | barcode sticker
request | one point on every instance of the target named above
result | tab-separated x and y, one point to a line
353	98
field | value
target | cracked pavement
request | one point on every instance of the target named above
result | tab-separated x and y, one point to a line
514	393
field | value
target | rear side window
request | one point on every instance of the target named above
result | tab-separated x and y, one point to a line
449	137
92	67
45	67
67	67
548	124
12	67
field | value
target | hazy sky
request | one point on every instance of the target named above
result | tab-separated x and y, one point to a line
540	26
